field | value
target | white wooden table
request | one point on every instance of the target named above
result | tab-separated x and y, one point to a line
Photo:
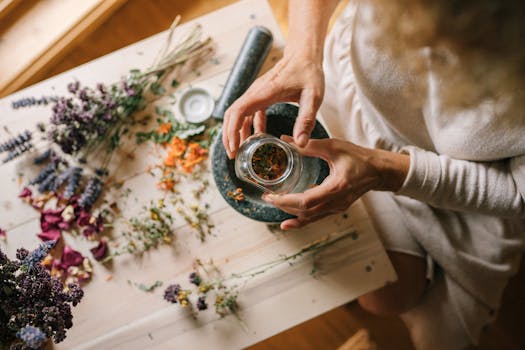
117	315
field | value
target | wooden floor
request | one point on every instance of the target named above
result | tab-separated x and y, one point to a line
138	19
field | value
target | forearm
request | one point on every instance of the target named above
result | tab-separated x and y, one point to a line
308	22
482	187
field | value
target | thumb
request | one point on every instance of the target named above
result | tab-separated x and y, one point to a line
318	148
308	105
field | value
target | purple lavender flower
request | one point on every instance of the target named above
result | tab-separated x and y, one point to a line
171	293
43	174
34	305
73	183
17	145
73	87
32	336
43	157
75	293
91	192
48	183
31	101
61	178
195	279
201	303
37	255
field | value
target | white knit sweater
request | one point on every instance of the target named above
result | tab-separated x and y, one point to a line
472	160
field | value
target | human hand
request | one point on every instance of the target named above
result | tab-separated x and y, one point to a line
354	170
295	78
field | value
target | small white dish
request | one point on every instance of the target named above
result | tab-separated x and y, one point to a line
196	105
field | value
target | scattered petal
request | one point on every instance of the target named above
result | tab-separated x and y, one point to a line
71	257
99	252
50	235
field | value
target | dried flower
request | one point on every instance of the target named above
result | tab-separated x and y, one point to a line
34	306
33	337
43	157
171	293
195	278
35	257
32	101
201	303
91	193
71	257
73	183
100	251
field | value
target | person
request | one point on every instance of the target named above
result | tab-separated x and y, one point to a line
424	102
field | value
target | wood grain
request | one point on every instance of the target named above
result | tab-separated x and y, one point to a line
45	32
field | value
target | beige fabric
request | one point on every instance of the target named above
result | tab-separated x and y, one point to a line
460	177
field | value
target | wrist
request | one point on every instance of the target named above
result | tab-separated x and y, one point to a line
392	168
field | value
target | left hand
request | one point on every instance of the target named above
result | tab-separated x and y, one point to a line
354	170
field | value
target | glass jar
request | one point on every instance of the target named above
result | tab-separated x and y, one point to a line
270	164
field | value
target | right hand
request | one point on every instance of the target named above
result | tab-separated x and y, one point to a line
295	78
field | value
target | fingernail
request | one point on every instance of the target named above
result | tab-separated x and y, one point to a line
231	146
302	139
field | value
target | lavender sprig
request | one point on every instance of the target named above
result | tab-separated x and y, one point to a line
73	183
44	174
17	145
32	101
91	192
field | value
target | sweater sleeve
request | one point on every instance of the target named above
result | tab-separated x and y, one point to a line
495	188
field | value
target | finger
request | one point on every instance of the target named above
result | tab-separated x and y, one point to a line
258	96
299	222
225	140
246	129
308	105
259	122
319	148
304	201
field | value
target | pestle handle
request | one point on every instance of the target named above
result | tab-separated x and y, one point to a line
245	69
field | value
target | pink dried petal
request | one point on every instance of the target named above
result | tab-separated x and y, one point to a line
99	252
46	226
52	219
88	231
54	212
100	224
26	192
50	235
2	234
83	218
64	225
71	257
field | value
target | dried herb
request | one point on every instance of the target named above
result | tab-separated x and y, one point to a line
237	195
208	284
34	306
269	162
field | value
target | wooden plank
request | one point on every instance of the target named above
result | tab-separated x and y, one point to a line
6	6
44	34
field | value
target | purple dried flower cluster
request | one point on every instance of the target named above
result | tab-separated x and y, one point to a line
225	298
88	117
17	145
33	305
